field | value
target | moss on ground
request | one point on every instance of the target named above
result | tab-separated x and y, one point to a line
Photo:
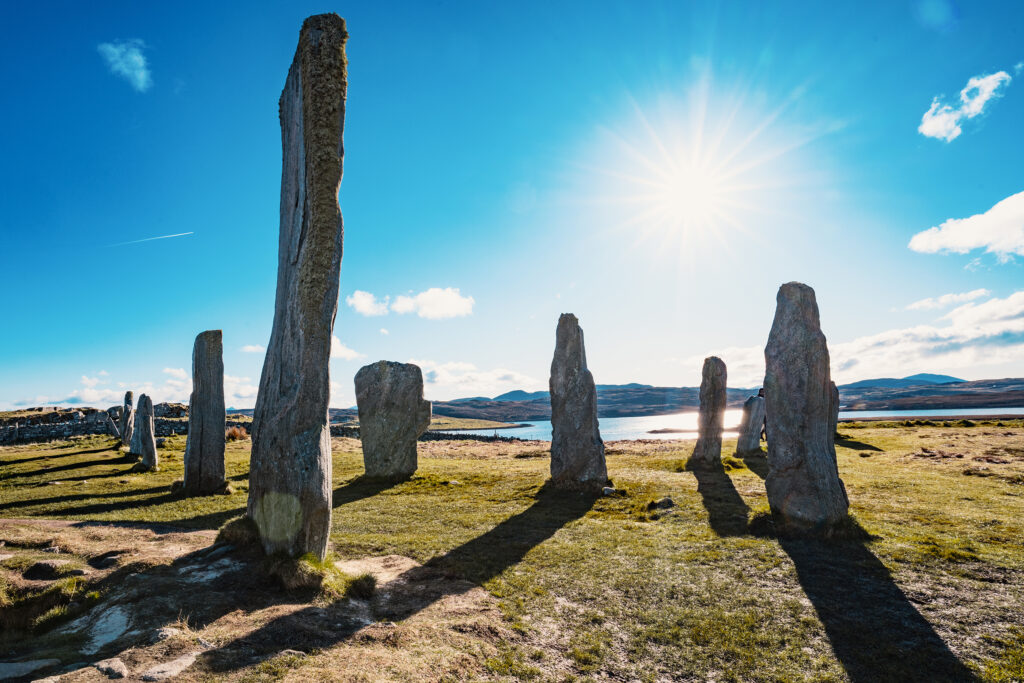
608	587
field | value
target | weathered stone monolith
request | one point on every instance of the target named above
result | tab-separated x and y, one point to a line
708	450
290	478
207	420
127	425
833	411
803	485
749	440
577	451
144	437
392	416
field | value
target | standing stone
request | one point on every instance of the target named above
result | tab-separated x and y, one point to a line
833	412
749	440
207	419
708	450
577	451
392	416
127	425
290	478
803	485
144	438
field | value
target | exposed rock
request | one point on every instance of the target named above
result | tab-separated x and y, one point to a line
392	415
106	628
204	450
833	411
290	477
144	437
708	450
170	410
803	485
163	633
577	451
127	426
18	669
167	670
749	440
112	668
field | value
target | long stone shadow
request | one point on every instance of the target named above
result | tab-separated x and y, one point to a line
457	571
112	449
359	488
727	512
756	462
876	632
855	445
61	468
71	497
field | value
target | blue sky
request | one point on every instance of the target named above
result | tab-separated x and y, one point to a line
656	168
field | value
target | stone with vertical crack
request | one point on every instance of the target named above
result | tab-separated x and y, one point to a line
392	416
708	450
290	477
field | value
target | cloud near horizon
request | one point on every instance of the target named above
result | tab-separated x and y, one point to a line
947	300
942	121
456	379
253	348
975	335
365	303
339	350
124	58
999	231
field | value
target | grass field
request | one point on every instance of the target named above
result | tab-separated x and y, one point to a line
617	587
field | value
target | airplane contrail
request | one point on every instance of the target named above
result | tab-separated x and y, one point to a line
150	239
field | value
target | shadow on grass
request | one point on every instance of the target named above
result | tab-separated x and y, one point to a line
876	632
854	445
78	496
457	571
362	487
111	449
63	468
756	462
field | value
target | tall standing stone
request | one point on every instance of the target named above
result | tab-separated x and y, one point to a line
833	411
290	477
207	419
144	437
392	416
577	451
749	440
803	485
127	425
708	450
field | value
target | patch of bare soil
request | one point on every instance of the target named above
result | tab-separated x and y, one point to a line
173	606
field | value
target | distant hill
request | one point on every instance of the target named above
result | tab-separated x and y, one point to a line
518	395
911	381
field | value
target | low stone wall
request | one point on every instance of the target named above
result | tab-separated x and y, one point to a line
59	426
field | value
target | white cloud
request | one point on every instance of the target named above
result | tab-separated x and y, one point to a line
103	373
947	300
90	381
177	373
999	231
435	303
125	59
972	336
384	332
366	303
942	121
239	392
456	379
339	350
253	348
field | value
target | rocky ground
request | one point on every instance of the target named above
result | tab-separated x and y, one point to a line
484	574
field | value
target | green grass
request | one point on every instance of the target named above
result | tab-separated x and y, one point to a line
608	587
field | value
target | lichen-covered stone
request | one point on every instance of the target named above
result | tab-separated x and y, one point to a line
708	449
803	485
290	478
144	438
207	419
392	416
577	451
127	426
749	440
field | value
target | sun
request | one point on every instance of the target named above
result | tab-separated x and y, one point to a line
690	170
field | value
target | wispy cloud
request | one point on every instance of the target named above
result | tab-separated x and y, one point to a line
177	373
457	379
942	121
435	303
384	331
947	300
150	239
339	350
999	231
124	58
252	348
